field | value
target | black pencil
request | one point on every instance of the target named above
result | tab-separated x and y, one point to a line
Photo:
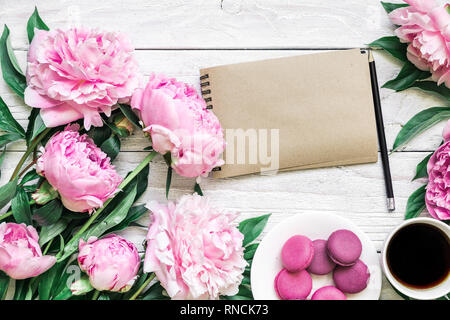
381	135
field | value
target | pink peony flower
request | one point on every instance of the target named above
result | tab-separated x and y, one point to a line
78	170
20	254
426	27
79	73
178	122
437	197
112	263
194	249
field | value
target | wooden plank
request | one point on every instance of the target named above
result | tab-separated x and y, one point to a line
213	23
398	108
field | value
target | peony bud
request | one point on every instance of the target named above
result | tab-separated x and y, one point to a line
111	263
123	123
178	122
79	170
20	254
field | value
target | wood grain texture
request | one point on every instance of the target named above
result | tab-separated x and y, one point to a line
177	37
213	23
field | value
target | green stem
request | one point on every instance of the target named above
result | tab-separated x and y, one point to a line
27	167
47	247
30	149
145	284
6	215
125	182
96	294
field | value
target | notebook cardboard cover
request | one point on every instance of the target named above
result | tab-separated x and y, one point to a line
318	108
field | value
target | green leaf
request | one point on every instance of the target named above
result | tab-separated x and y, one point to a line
12	57
45	193
389	7
81	286
64	294
61	242
29	176
250	250
7	192
61	290
155	292
21	289
168	181
7	121
46	281
416	203
142	182
246	280
168	159
198	189
35	125
8	138
51	231
406	78
54	282
128	112
99	134
252	228
430	86
49	213
15	80
392	45
111	147
448	9
2	157
30	188
419	123
35	21
421	169
20	206
103	296
121	132
133	214
114	218
4	284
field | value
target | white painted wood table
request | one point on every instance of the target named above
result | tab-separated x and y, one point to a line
177	37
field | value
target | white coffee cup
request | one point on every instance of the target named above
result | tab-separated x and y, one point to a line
435	292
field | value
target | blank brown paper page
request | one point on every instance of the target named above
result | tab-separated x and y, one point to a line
321	103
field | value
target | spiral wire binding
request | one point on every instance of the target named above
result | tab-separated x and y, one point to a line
206	91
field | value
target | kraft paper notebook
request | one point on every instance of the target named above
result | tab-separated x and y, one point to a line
320	104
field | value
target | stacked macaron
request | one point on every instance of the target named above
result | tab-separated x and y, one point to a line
339	254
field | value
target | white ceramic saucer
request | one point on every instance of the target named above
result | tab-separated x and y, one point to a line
267	260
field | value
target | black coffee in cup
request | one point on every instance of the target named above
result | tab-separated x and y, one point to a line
418	256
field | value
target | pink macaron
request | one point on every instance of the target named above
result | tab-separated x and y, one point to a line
344	247
293	285
328	293
297	253
351	279
321	263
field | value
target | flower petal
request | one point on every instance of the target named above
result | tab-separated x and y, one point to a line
60	115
